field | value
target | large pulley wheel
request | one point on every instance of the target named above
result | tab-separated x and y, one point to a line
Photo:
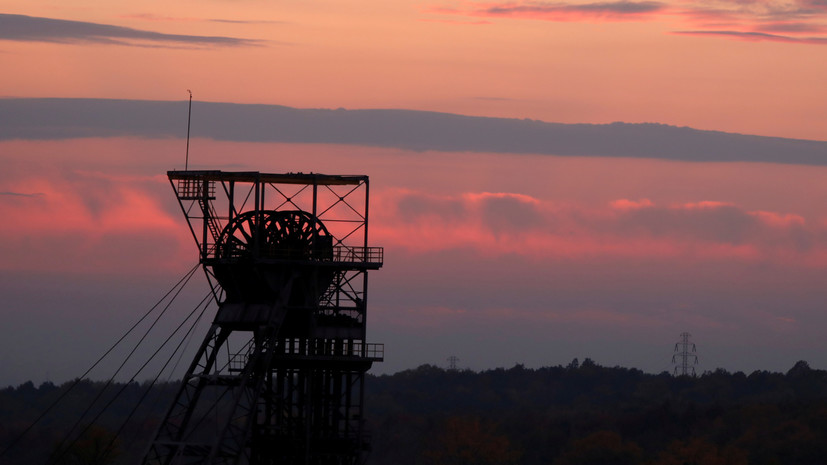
297	235
288	234
238	236
261	255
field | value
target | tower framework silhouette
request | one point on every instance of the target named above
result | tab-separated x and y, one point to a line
279	377
452	362
685	357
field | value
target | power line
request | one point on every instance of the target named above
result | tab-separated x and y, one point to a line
109	382
175	289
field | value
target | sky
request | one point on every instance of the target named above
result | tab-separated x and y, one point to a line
495	253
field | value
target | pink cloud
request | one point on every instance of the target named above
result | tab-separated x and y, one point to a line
800	21
90	227
702	230
557	255
778	219
626	204
703	205
706	16
793	27
483	196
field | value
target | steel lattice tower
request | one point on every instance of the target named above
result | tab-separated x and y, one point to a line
452	362
279	377
685	357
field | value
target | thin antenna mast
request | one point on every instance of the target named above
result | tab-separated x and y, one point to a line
189	117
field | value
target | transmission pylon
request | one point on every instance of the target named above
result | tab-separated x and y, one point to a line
685	357
279	377
452	362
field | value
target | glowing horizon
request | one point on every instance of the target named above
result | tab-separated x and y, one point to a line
498	248
555	257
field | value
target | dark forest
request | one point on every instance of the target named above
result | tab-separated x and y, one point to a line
582	413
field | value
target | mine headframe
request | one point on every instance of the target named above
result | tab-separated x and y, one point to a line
279	377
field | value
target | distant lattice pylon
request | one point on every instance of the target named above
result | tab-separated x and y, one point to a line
685	357
452	362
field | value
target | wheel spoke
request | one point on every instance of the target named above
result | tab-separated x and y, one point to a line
293	232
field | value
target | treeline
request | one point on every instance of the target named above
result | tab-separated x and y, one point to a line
582	413
588	414
80	422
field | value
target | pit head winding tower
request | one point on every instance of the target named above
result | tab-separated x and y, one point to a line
279	377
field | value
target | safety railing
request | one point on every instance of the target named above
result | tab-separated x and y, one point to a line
333	348
238	361
329	349
375	350
358	254
192	189
336	254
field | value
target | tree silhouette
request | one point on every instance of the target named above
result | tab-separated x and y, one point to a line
97	446
470	441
